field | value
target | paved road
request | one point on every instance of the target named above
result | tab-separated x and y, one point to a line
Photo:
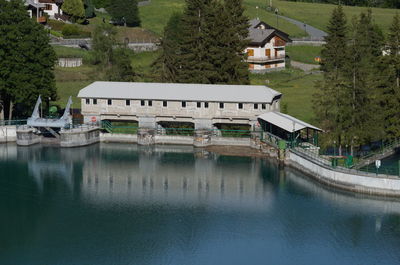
314	33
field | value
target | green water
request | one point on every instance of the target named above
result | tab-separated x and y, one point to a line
123	204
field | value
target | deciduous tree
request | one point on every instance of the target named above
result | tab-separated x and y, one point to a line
125	12
26	59
74	8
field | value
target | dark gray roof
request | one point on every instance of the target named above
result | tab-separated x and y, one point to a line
260	36
180	92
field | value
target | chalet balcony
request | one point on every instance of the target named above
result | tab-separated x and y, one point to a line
264	59
42	19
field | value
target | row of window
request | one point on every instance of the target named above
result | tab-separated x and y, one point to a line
183	104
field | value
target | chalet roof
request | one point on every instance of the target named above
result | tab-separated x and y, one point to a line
260	36
286	122
179	92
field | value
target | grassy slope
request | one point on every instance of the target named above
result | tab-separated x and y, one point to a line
155	15
304	54
297	89
318	15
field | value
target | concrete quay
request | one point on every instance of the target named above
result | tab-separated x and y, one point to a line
318	169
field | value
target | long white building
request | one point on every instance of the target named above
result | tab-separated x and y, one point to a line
152	103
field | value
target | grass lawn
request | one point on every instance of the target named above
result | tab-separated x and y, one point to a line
141	63
297	89
70	88
155	16
304	54
318	15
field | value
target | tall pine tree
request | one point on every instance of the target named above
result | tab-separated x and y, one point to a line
388	82
193	68
166	66
329	96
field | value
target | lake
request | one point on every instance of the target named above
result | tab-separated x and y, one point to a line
127	204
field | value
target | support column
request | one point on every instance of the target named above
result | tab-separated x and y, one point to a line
202	138
147	130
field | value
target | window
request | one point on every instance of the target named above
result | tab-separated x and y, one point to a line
142	103
128	102
199	104
240	106
263	106
183	104
48	7
221	105
165	103
150	103
206	105
255	106
109	101
87	101
95	101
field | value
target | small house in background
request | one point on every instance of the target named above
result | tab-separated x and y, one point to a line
38	9
266	50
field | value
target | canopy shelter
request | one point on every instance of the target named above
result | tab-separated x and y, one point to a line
288	128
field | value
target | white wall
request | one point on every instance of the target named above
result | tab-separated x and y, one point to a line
351	180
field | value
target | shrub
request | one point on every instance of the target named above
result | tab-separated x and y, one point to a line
70	30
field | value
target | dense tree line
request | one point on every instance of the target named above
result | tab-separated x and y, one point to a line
358	99
205	44
368	3
26	60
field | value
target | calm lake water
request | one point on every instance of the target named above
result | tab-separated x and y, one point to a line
124	204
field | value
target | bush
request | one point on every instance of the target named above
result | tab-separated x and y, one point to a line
55	24
70	30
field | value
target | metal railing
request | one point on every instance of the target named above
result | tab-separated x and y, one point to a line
262	59
12	122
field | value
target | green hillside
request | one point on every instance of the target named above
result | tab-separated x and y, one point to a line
155	15
317	15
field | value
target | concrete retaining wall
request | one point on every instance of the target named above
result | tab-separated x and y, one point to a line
173	139
69	62
79	137
8	134
233	141
351	180
118	138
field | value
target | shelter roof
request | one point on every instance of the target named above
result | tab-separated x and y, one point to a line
286	122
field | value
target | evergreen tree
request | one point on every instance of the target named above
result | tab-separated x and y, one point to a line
388	82
213	41
166	65
121	68
26	59
328	101
236	31
364	51
125	12
74	8
104	39
192	66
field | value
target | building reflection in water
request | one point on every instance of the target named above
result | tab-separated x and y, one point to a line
173	175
